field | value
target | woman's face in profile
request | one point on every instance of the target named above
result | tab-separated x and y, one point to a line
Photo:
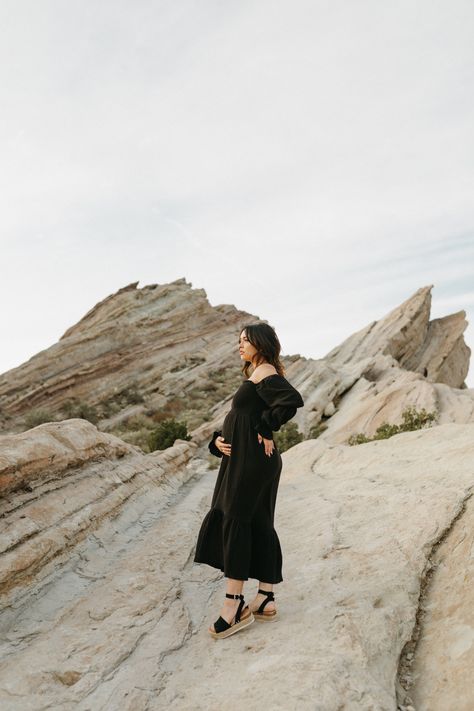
246	350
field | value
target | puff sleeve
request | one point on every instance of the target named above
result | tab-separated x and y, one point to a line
282	401
212	447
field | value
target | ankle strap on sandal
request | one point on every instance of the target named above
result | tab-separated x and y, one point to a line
240	606
268	593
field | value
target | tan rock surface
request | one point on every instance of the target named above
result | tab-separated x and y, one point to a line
62	481
166	346
433	348
101	604
402	360
122	623
157	344
444	658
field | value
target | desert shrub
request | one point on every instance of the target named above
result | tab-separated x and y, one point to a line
412	419
288	436
166	433
138	422
131	395
179	366
169	411
120	400
38	417
316	430
139	438
77	408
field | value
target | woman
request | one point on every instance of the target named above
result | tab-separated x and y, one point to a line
237	534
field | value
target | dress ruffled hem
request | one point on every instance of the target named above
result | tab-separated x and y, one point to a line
240	549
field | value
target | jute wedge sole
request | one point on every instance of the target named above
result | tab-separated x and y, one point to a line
224	628
269	615
266	616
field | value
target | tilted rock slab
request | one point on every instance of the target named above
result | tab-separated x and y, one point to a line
436	349
59	482
123	623
180	353
402	360
164	340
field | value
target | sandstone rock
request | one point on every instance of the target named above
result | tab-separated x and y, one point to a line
442	665
59	482
166	345
49	450
435	348
121	623
158	345
400	361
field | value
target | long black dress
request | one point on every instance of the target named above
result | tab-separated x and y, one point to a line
237	534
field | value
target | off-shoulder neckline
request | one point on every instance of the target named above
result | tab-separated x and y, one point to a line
272	375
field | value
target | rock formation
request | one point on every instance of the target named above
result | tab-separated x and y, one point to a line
59	482
139	350
379	371
101	605
109	611
163	350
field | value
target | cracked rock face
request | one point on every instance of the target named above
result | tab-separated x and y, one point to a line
441	670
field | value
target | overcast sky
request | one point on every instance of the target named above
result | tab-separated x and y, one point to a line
310	162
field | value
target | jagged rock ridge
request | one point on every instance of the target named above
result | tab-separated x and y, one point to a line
178	355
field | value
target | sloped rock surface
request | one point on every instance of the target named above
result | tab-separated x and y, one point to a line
168	348
139	349
59	483
124	623
441	671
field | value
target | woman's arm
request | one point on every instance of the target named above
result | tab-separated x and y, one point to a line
282	401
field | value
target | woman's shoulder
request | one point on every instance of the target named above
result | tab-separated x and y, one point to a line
263	371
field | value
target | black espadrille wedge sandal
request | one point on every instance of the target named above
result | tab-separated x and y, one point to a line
224	628
269	614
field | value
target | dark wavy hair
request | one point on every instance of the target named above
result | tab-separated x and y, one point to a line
264	339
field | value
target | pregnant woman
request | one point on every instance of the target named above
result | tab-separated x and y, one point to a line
237	534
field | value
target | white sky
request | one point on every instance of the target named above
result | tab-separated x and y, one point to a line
310	162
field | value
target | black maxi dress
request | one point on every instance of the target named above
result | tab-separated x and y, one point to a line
237	534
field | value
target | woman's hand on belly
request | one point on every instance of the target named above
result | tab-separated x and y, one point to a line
269	444
222	445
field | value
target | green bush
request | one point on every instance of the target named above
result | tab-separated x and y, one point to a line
412	420
166	433
139	438
316	430
288	436
38	417
77	408
131	395
120	400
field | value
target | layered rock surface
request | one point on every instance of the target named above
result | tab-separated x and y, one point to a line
149	349
101	604
402	360
178	356
60	481
121	621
